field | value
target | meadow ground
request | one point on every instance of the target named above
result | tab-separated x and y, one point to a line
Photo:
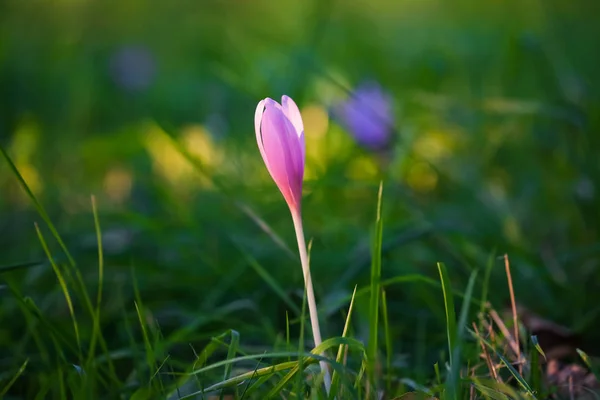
146	253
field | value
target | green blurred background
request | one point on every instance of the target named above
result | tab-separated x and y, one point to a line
149	106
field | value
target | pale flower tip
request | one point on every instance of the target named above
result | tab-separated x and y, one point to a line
260	108
292	112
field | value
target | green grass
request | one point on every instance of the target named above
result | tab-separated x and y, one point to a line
177	278
225	367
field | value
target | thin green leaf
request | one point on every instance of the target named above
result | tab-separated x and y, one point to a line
63	286
593	366
340	355
451	329
375	287
537	346
535	371
231	353
14	379
149	351
388	341
452	380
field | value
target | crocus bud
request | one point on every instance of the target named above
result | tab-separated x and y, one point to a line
280	138
368	116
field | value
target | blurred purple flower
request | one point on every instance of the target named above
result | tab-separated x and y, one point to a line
133	68
367	115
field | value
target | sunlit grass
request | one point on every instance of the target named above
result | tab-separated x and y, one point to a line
179	281
359	370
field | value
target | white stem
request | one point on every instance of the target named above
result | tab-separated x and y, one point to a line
310	293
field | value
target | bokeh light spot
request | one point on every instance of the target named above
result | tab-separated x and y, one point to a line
316	121
363	168
31	175
24	146
198	141
422	177
167	161
434	145
117	184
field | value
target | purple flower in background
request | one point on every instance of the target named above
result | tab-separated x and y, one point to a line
133	68
368	116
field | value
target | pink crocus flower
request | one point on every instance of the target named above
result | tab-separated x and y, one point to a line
280	137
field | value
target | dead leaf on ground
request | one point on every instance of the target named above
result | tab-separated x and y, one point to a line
557	341
572	380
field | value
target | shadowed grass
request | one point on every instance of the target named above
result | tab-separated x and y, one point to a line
451	327
7	386
505	135
65	290
373	346
342	352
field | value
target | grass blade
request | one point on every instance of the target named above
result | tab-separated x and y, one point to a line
14	379
63	286
593	366
231	353
388	342
96	330
452	380
341	350
299	380
451	329
40	209
507	363
535	370
450	311
150	359
375	288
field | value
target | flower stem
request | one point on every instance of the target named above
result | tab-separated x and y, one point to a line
310	293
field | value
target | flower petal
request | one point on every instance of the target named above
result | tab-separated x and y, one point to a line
291	111
258	115
269	102
282	151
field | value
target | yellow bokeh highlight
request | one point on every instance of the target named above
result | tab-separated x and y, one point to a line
362	168
511	229
25	140
23	147
434	144
171	160
198	141
167	161
316	126
31	175
316	121
118	183
421	177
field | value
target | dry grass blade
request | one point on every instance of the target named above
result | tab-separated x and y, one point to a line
514	311
486	356
509	337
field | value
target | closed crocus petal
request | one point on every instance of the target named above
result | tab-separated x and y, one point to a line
280	138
